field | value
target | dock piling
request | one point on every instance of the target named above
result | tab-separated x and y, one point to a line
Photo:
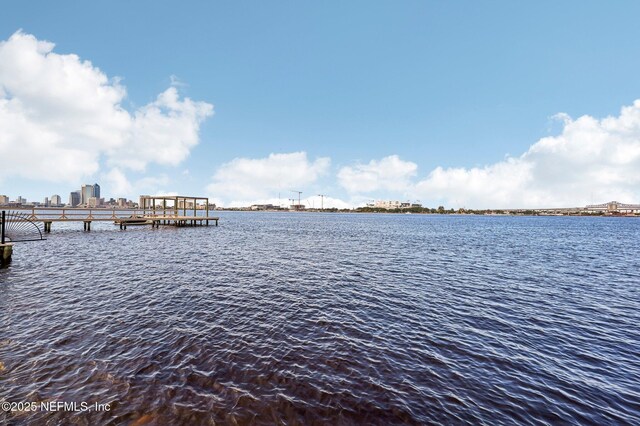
6	249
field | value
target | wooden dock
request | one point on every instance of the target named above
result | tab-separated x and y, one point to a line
123	218
156	221
156	211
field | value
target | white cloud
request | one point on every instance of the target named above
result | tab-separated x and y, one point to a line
61	115
244	181
162	132
388	174
327	203
118	183
591	160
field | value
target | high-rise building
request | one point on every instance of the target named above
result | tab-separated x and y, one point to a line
89	191
46	201
85	193
21	200
56	201
74	198
4	199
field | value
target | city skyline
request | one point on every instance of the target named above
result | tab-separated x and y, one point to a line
461	105
89	195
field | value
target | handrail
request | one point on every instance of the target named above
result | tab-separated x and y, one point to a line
44	214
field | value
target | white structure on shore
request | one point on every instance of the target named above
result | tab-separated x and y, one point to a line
390	205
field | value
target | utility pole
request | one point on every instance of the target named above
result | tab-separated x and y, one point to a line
321	201
299	193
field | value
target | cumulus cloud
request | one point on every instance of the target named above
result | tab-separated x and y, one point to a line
162	132
118	183
244	181
590	160
60	116
388	174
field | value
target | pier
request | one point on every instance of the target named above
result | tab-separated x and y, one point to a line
173	210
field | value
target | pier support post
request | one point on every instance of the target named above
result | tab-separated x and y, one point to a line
5	253
47	227
87	225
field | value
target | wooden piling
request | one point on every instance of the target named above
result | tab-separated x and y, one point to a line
6	250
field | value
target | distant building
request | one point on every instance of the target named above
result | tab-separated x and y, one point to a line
46	201
87	191
122	202
262	207
21	200
4	199
93	202
145	203
381	204
391	205
184	204
56	201
74	198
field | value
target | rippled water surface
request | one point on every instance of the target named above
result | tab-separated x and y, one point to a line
328	319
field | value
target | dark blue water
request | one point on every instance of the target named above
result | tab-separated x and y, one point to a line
328	319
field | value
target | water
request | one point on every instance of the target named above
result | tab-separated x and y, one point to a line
328	319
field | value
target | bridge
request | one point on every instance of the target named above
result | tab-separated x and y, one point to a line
614	207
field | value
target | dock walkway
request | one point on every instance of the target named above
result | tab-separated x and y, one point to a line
123	218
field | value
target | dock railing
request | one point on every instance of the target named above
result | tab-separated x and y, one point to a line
61	214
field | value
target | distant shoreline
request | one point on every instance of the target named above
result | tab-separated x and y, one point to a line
564	211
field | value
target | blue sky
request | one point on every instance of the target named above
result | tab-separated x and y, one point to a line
433	84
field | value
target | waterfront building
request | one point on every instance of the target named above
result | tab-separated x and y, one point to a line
21	200
262	207
74	198
56	201
86	192
185	204
4	200
391	205
145	201
382	204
